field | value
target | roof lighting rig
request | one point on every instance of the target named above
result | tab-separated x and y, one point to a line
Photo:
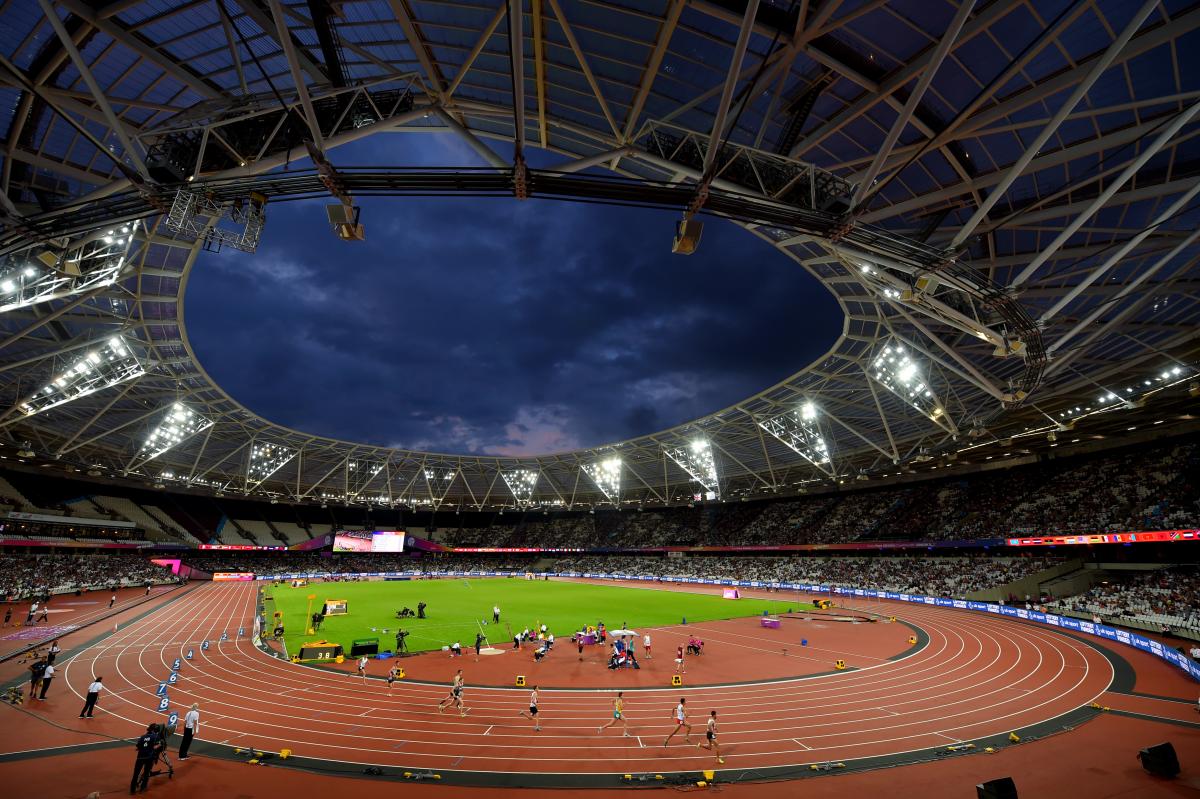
42	273
606	474
799	429
697	460
265	460
895	369
521	482
237	223
107	364
178	424
360	474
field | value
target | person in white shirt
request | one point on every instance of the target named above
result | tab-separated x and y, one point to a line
191	726
362	667
495	614
646	645
1195	653
681	723
47	678
89	705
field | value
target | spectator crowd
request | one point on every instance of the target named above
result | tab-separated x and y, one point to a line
1159	598
26	576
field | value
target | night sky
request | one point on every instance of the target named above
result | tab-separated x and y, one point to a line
494	325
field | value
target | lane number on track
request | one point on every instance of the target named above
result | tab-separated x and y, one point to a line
173	678
164	703
189	655
224	636
162	689
175	665
204	646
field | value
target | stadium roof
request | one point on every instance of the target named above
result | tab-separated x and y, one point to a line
1002	196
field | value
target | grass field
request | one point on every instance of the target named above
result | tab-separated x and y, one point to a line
457	606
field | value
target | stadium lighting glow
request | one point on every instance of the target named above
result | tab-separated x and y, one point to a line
34	276
265	460
359	474
178	424
521	482
897	371
606	474
697	460
799	430
105	365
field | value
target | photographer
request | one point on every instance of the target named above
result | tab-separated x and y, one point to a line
401	646
148	748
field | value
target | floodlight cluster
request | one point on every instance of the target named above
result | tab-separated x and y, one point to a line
29	277
606	474
697	460
360	473
1132	395
897	371
432	474
178	424
266	459
107	364
521	482
800	431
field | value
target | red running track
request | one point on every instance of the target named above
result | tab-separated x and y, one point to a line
978	676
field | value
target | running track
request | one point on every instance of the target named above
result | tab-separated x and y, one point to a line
978	676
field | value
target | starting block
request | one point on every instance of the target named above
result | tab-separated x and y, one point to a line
839	664
892	619
803	642
1014	738
912	639
284	754
520	680
676	680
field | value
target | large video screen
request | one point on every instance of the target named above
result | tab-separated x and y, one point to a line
369	541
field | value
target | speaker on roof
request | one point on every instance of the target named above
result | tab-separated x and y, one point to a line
687	236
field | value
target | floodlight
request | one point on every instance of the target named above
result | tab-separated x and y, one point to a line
897	371
697	460
178	424
521	482
265	460
107	364
359	474
38	274
800	431
606	474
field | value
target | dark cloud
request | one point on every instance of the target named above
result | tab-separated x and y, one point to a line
493	325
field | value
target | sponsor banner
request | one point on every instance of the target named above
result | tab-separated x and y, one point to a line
72	520
240	546
961	604
232	576
1105	538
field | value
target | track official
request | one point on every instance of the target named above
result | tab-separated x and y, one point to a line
191	726
89	705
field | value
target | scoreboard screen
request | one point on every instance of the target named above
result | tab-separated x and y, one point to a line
369	541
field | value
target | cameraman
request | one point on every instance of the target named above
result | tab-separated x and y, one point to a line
401	646
148	748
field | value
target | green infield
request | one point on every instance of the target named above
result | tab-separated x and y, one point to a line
457	608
